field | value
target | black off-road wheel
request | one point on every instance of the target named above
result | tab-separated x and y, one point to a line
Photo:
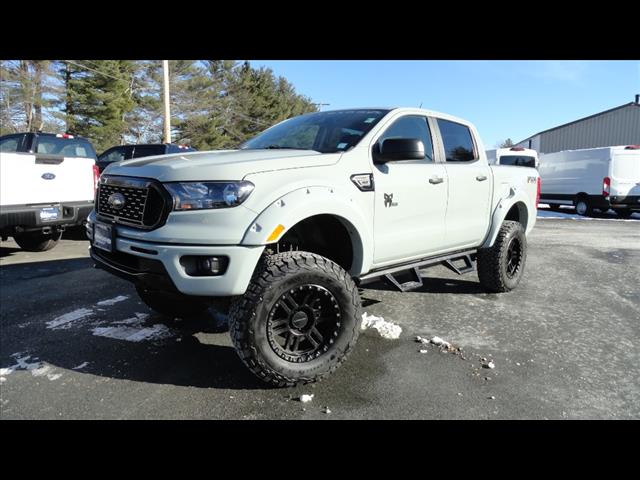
171	304
298	320
500	267
37	241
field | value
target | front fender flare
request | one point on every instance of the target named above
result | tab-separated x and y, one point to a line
306	202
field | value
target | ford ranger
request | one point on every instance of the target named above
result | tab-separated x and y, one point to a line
289	225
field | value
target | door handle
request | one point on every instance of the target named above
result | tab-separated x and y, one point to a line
481	178
436	180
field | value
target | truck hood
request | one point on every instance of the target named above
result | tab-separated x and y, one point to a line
219	165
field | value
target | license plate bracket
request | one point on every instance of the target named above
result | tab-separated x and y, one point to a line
103	236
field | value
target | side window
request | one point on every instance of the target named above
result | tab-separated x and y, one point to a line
458	143
412	126
114	155
11	144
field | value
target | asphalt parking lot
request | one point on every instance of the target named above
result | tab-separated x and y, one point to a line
77	343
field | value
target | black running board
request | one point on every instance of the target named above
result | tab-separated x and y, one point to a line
449	261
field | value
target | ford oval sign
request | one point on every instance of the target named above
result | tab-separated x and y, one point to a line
116	201
48	176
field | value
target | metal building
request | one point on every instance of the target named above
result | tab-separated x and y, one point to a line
618	126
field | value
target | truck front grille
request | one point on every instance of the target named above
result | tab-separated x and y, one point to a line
142	201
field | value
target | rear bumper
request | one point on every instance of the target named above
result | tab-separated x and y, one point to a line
27	217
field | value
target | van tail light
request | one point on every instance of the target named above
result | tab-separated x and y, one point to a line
606	186
632	147
517	149
96	177
539	183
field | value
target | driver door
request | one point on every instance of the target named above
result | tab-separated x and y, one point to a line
410	198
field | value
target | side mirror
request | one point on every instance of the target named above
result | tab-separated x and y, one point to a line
399	149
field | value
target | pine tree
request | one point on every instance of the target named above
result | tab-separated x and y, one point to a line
99	98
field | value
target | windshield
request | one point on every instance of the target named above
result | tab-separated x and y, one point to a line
325	132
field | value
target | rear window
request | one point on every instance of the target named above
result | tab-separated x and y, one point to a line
66	147
458	142
518	160
11	143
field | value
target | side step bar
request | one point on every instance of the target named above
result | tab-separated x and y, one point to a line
467	257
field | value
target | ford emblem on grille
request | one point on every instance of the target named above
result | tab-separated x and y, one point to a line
48	176
116	201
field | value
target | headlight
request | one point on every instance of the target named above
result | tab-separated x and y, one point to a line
201	195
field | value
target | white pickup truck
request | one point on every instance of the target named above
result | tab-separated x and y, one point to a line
290	224
47	183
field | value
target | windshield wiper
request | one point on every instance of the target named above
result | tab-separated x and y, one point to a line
282	147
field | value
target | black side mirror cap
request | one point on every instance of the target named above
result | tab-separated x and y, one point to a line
399	149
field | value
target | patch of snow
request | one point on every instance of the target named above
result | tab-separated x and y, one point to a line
419	339
424	351
81	366
137	320
385	329
66	321
37	369
111	301
326	410
306	398
490	364
132	334
440	342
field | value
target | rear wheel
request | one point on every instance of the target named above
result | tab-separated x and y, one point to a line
172	304
583	207
37	241
501	266
298	320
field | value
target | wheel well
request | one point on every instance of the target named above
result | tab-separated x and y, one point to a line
518	213
325	235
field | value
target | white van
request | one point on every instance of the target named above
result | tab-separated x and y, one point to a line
601	178
518	156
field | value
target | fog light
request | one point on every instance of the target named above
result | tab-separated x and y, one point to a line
209	265
204	266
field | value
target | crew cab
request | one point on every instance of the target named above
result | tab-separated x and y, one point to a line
288	225
47	183
127	152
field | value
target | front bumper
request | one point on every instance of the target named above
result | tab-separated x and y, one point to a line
27	217
631	202
161	268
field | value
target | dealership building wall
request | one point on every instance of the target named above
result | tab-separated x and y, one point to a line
618	126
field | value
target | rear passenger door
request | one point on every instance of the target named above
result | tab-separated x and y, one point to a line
469	178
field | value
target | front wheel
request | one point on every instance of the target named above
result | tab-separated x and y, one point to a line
501	266
37	241
298	320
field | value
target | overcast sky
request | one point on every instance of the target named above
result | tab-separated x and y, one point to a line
505	99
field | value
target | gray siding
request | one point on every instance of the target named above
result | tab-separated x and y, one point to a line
620	127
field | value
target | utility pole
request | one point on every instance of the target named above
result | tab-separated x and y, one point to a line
320	105
167	110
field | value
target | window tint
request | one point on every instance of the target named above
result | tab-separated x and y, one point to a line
148	150
519	160
115	155
10	144
67	147
413	126
458	144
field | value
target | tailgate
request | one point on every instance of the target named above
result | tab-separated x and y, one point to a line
34	179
